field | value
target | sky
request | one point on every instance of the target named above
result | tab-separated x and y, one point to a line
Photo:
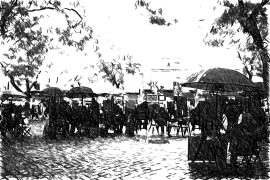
121	29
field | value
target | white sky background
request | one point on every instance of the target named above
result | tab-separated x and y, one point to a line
123	30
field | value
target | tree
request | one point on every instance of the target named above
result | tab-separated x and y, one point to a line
114	71
252	20
21	29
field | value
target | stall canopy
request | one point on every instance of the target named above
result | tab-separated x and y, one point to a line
11	95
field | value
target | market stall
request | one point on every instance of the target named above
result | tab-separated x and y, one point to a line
82	117
215	81
56	124
12	119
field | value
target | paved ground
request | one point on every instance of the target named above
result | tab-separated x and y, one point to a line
110	158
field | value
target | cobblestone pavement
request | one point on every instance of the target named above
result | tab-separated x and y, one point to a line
109	158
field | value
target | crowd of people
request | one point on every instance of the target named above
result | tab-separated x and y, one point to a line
77	119
73	118
226	115
63	117
13	118
244	125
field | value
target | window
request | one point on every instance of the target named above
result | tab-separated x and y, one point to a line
161	98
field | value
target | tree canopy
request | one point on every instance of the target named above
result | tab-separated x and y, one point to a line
28	31
22	31
249	18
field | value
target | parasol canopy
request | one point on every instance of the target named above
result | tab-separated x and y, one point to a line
80	92
51	91
220	79
112	93
11	94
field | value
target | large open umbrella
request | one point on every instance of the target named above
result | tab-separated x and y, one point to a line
80	92
220	79
51	91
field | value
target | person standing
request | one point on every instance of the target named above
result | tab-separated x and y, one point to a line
26	111
260	117
241	137
232	113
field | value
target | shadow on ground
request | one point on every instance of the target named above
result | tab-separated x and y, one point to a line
200	170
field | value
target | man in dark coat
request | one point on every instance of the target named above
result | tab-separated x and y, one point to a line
94	113
242	137
259	115
232	113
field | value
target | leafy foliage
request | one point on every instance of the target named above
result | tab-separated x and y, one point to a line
155	16
252	63
22	30
251	17
114	71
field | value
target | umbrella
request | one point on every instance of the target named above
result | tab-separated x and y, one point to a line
220	79
11	94
110	93
51	91
80	92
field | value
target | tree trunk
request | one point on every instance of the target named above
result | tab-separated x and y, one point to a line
265	74
28	87
14	84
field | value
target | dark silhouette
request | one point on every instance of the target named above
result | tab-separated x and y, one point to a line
94	113
203	115
243	139
259	116
232	113
142	115
162	119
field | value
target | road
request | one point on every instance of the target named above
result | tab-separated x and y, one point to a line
110	158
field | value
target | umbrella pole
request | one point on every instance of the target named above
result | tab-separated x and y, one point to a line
81	114
215	91
49	122
49	107
82	100
217	118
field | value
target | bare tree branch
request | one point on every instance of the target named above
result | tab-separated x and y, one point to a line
71	9
41	9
